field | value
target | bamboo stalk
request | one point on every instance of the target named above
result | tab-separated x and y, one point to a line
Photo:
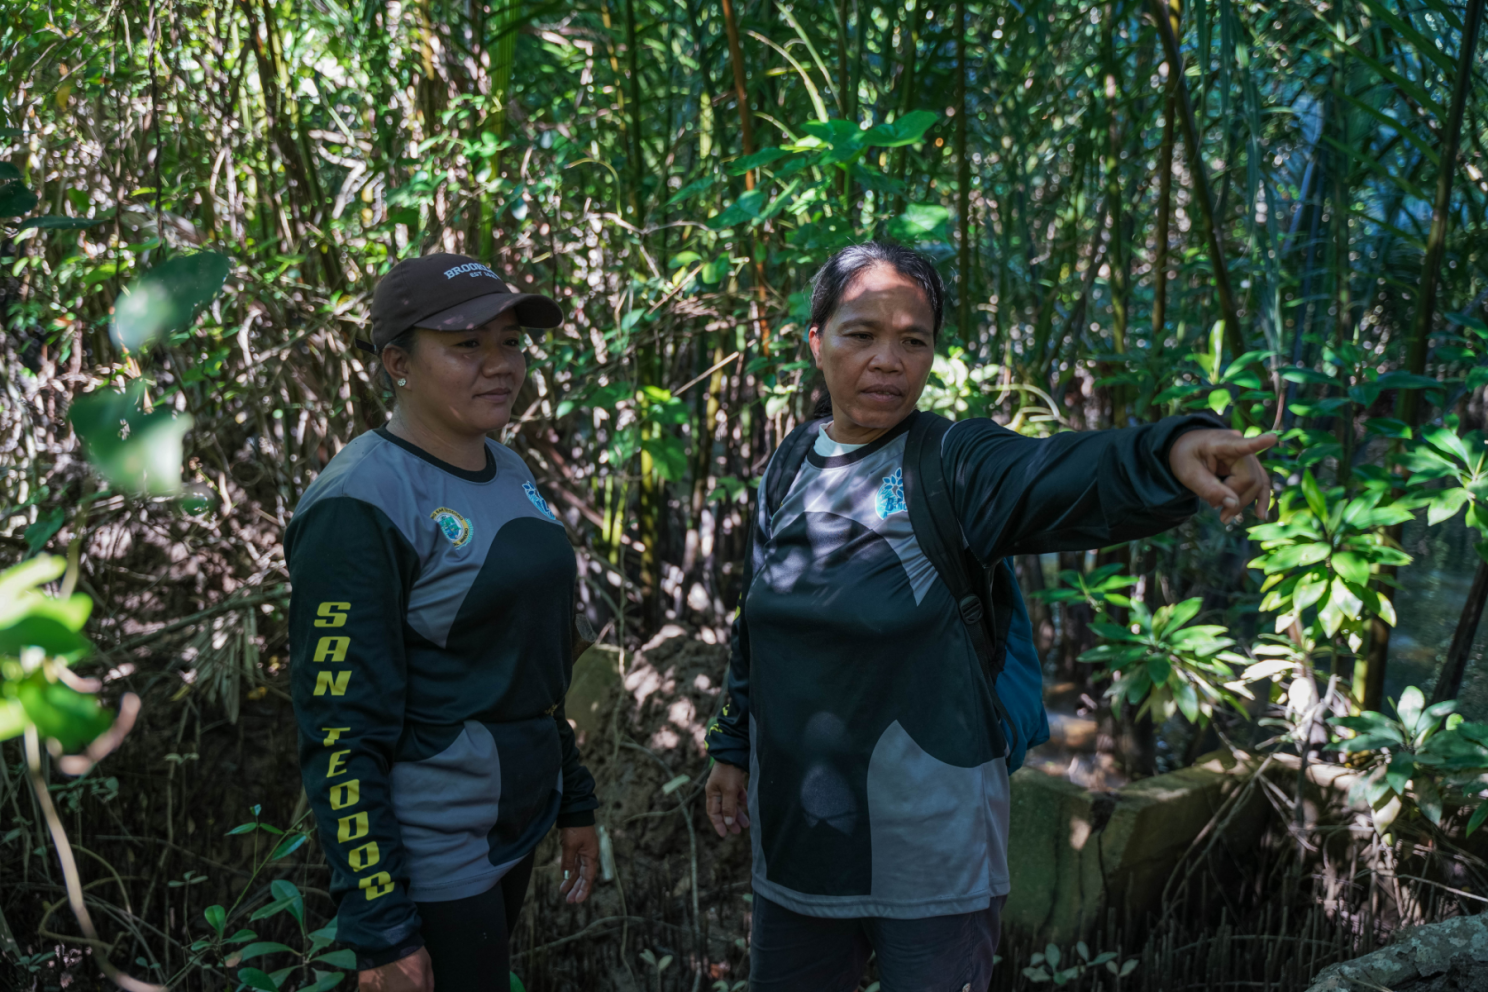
1436	242
1203	194
741	92
963	187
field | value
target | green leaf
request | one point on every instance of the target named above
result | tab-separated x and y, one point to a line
241	936
343	958
262	947
743	210
1412	703
325	980
255	979
15	199
762	157
73	719
46	526
57	222
242	828
1219	400
1158	669
1313	493
1445	505
167	298
9	171
904	131
921	222
1388	427
1479	815
1402	765
286	892
1351	567
1446	442
149	459
216	918
696	186
269	909
288	846
668	457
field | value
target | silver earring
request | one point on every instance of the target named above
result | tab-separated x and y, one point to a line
402	382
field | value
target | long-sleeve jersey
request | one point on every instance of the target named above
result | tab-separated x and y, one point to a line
430	638
857	701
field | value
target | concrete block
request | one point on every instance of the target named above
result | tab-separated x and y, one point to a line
1073	853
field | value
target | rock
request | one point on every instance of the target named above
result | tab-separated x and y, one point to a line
1439	957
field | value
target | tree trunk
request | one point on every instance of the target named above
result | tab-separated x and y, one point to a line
1449	682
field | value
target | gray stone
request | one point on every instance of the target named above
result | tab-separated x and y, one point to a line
1438	957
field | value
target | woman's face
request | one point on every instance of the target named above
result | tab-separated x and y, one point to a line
462	382
876	350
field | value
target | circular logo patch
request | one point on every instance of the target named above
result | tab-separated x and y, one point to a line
452	525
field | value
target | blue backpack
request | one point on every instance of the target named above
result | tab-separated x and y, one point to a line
987	595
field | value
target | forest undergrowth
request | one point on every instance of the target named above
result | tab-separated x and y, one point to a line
1272	212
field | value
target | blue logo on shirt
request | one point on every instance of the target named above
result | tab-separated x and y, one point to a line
890	497
538	501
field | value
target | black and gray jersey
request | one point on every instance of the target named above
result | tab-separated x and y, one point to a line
856	698
430	644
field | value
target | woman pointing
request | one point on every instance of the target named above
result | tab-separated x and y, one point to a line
861	742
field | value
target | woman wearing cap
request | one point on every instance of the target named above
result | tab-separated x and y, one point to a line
859	718
430	632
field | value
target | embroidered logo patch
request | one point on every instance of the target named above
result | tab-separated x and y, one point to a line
538	501
890	497
452	525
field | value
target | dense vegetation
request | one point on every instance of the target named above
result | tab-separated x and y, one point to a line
1273	211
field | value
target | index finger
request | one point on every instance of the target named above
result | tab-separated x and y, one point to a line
1247	445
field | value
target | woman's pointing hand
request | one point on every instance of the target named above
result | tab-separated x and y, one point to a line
1222	469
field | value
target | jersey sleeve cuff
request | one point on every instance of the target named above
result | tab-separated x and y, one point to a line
377	959
578	818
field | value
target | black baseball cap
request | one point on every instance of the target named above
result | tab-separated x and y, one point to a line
449	293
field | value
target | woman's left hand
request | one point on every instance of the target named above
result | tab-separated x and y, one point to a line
1222	469
580	862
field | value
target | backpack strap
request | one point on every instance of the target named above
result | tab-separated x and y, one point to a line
787	462
932	514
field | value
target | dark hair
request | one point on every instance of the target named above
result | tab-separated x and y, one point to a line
403	342
837	276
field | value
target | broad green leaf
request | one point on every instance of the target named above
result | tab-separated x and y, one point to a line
1158	669
762	157
1219	400
1445	505
743	210
904	131
338	959
1402	765
668	457
1412	702
1351	567
1476	820
15	199
73	719
1446	442
288	846
255	979
149	459
1187	700
1313	493
326	980
262	947
167	298
56	222
285	891
216	918
921	222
